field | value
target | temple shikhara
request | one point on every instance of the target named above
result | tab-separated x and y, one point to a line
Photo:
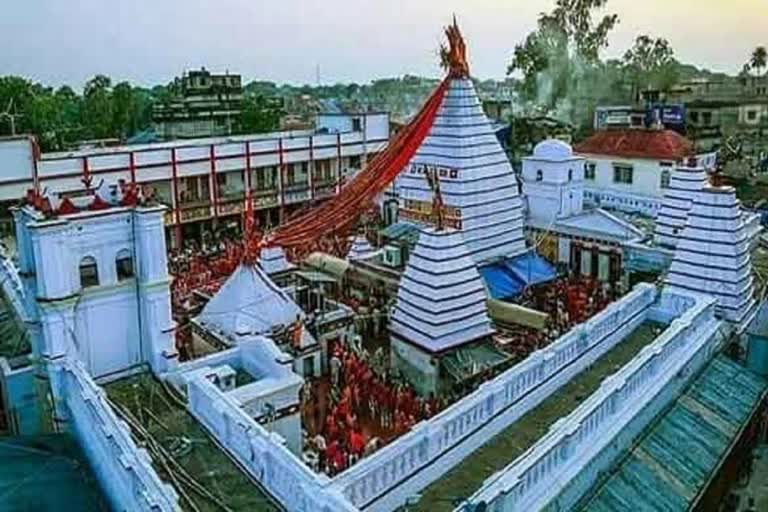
427	329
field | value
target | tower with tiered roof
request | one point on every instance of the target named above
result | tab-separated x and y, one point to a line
478	184
713	254
685	183
440	305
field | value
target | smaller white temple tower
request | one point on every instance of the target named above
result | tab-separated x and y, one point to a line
360	249
713	255
99	286
685	183
553	182
440	306
274	262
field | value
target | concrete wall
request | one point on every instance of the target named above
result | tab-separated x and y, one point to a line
263	454
375	124
116	325
275	386
384	481
61	172
646	176
568	461
18	388
123	470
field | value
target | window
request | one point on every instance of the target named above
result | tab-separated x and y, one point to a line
356	124
354	162
570	174
261	178
694	117
622	174
706	117
221	184
751	115
665	178
590	170
290	175
89	274
124	265
539	175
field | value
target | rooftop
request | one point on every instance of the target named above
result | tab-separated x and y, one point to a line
203	472
467	476
636	143
678	454
42	473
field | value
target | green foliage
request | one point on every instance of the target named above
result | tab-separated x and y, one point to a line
59	118
559	62
260	114
651	64
759	59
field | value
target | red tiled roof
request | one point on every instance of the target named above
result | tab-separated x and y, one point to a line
653	144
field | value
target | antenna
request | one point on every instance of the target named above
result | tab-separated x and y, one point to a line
11	117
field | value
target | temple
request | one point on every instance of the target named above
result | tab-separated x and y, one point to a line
440	334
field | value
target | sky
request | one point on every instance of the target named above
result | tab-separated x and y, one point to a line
151	41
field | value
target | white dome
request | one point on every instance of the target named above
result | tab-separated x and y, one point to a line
553	149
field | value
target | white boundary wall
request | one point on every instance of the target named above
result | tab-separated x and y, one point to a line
578	448
13	287
261	453
384	481
123	470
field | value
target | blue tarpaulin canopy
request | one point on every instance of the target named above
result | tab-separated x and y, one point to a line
501	284
531	268
506	279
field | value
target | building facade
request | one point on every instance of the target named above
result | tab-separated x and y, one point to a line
629	169
206	181
203	105
97	287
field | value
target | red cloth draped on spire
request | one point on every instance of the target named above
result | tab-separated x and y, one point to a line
339	214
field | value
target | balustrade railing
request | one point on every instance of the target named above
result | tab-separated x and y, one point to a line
387	468
123	470
527	483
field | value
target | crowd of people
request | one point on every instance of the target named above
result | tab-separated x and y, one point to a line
367	407
568	301
203	266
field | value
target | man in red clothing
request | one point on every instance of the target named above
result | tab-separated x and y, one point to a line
356	445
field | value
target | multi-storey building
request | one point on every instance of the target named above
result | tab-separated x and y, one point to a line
206	181
203	105
720	108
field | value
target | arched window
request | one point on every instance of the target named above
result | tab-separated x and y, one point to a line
124	265
89	273
539	175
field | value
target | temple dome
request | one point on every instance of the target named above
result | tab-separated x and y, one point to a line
553	149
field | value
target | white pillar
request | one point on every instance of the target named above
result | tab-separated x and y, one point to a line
155	320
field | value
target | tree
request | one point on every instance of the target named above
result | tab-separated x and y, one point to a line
97	112
259	114
651	64
759	59
559	62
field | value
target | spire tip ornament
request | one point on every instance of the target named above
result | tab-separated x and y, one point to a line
454	57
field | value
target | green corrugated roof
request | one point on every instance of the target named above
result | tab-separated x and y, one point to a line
678	453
